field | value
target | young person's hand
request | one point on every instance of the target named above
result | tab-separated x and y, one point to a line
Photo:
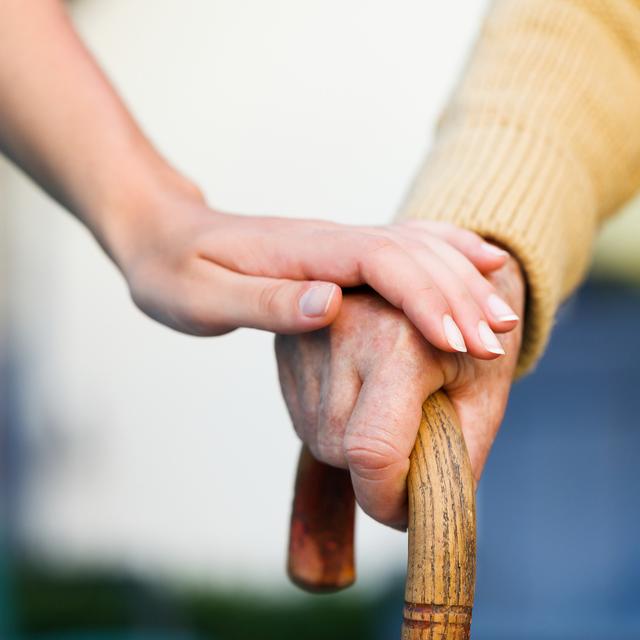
205	272
355	390
202	271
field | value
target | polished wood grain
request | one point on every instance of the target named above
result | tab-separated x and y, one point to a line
441	568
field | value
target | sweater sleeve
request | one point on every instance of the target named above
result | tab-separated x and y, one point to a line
540	142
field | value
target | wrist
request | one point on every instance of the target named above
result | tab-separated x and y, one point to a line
141	193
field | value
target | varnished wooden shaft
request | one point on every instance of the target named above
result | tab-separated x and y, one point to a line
441	569
442	529
322	523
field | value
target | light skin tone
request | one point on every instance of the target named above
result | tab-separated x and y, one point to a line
355	390
191	266
206	272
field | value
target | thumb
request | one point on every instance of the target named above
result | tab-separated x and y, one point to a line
281	305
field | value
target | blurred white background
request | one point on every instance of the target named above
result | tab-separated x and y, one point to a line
174	455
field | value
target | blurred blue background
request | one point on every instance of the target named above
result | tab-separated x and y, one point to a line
559	507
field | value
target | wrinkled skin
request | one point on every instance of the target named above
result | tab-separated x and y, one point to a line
355	389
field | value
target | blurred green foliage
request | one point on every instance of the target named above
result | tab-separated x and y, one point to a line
53	604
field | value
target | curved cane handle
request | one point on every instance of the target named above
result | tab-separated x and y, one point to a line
322	522
442	529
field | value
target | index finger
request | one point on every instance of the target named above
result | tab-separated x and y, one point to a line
381	434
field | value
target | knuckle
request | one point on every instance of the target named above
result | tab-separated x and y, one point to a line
267	300
426	301
372	455
461	302
408	342
429	289
377	253
376	244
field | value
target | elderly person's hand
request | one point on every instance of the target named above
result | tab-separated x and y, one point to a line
355	391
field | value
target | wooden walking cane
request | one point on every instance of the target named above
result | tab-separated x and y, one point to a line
442	529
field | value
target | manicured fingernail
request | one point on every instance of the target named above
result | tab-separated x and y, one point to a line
493	250
489	339
500	310
453	334
316	300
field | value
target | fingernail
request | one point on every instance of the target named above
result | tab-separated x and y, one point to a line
453	334
489	339
493	250
316	300
500	310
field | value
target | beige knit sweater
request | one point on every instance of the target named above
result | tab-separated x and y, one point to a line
540	141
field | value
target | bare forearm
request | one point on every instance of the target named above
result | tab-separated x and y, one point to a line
63	123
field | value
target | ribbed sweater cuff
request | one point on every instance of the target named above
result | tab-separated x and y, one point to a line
523	191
